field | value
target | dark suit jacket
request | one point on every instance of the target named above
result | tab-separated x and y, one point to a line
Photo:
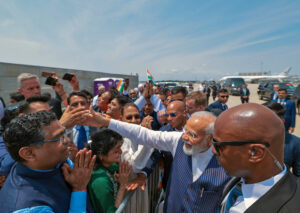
283	197
215	105
242	92
290	114
292	153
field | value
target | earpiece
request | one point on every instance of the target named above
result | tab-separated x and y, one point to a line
252	153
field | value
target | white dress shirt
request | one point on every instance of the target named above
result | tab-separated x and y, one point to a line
166	141
137	155
253	192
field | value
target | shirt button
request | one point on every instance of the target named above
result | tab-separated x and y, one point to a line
186	197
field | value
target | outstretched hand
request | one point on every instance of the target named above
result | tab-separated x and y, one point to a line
139	181
79	176
95	119
73	117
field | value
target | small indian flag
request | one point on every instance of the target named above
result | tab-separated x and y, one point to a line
120	86
150	78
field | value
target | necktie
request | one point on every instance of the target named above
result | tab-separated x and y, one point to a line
232	197
82	138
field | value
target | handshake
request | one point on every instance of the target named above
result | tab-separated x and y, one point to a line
84	117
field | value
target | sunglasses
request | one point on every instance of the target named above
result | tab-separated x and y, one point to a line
172	114
217	144
224	96
129	117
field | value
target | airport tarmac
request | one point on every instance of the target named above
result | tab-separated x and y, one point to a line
235	100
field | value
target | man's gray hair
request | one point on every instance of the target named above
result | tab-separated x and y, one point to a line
209	116
24	76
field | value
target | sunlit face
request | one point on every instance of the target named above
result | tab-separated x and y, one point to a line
113	156
282	94
179	119
163	99
50	154
191	107
103	101
114	109
77	102
30	87
195	137
131	115
132	94
148	108
276	87
223	97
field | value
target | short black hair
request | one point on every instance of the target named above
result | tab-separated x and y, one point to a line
102	142
276	107
25	130
223	91
282	89
179	89
38	98
81	94
17	96
87	93
122	100
130	104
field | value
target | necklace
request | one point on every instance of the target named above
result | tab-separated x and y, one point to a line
115	184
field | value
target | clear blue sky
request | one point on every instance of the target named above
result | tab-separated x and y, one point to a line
175	39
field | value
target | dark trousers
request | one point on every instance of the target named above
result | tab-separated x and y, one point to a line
245	100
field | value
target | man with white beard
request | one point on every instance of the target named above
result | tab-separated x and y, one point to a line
196	180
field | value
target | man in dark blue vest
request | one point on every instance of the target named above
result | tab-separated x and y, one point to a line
39	181
196	181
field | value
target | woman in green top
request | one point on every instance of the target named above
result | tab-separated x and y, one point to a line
107	185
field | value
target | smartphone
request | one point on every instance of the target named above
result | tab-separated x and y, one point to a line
67	76
46	74
50	81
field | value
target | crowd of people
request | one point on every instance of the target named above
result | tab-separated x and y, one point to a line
77	152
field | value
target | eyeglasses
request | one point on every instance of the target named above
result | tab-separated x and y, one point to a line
172	114
190	134
129	117
60	139
217	144
224	96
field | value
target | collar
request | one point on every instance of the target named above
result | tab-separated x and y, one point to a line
253	192
206	154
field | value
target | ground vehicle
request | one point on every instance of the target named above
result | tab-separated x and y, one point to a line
170	85
265	90
296	98
233	85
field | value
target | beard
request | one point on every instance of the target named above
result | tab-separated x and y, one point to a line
190	149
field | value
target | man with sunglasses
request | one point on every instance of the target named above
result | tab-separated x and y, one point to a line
249	142
221	102
196	181
40	181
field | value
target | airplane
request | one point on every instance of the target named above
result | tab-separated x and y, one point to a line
252	78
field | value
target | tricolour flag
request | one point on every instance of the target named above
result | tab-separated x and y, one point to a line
150	78
120	86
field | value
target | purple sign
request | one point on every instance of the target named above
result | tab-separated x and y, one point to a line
106	82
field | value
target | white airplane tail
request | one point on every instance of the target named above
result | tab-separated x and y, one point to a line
286	71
